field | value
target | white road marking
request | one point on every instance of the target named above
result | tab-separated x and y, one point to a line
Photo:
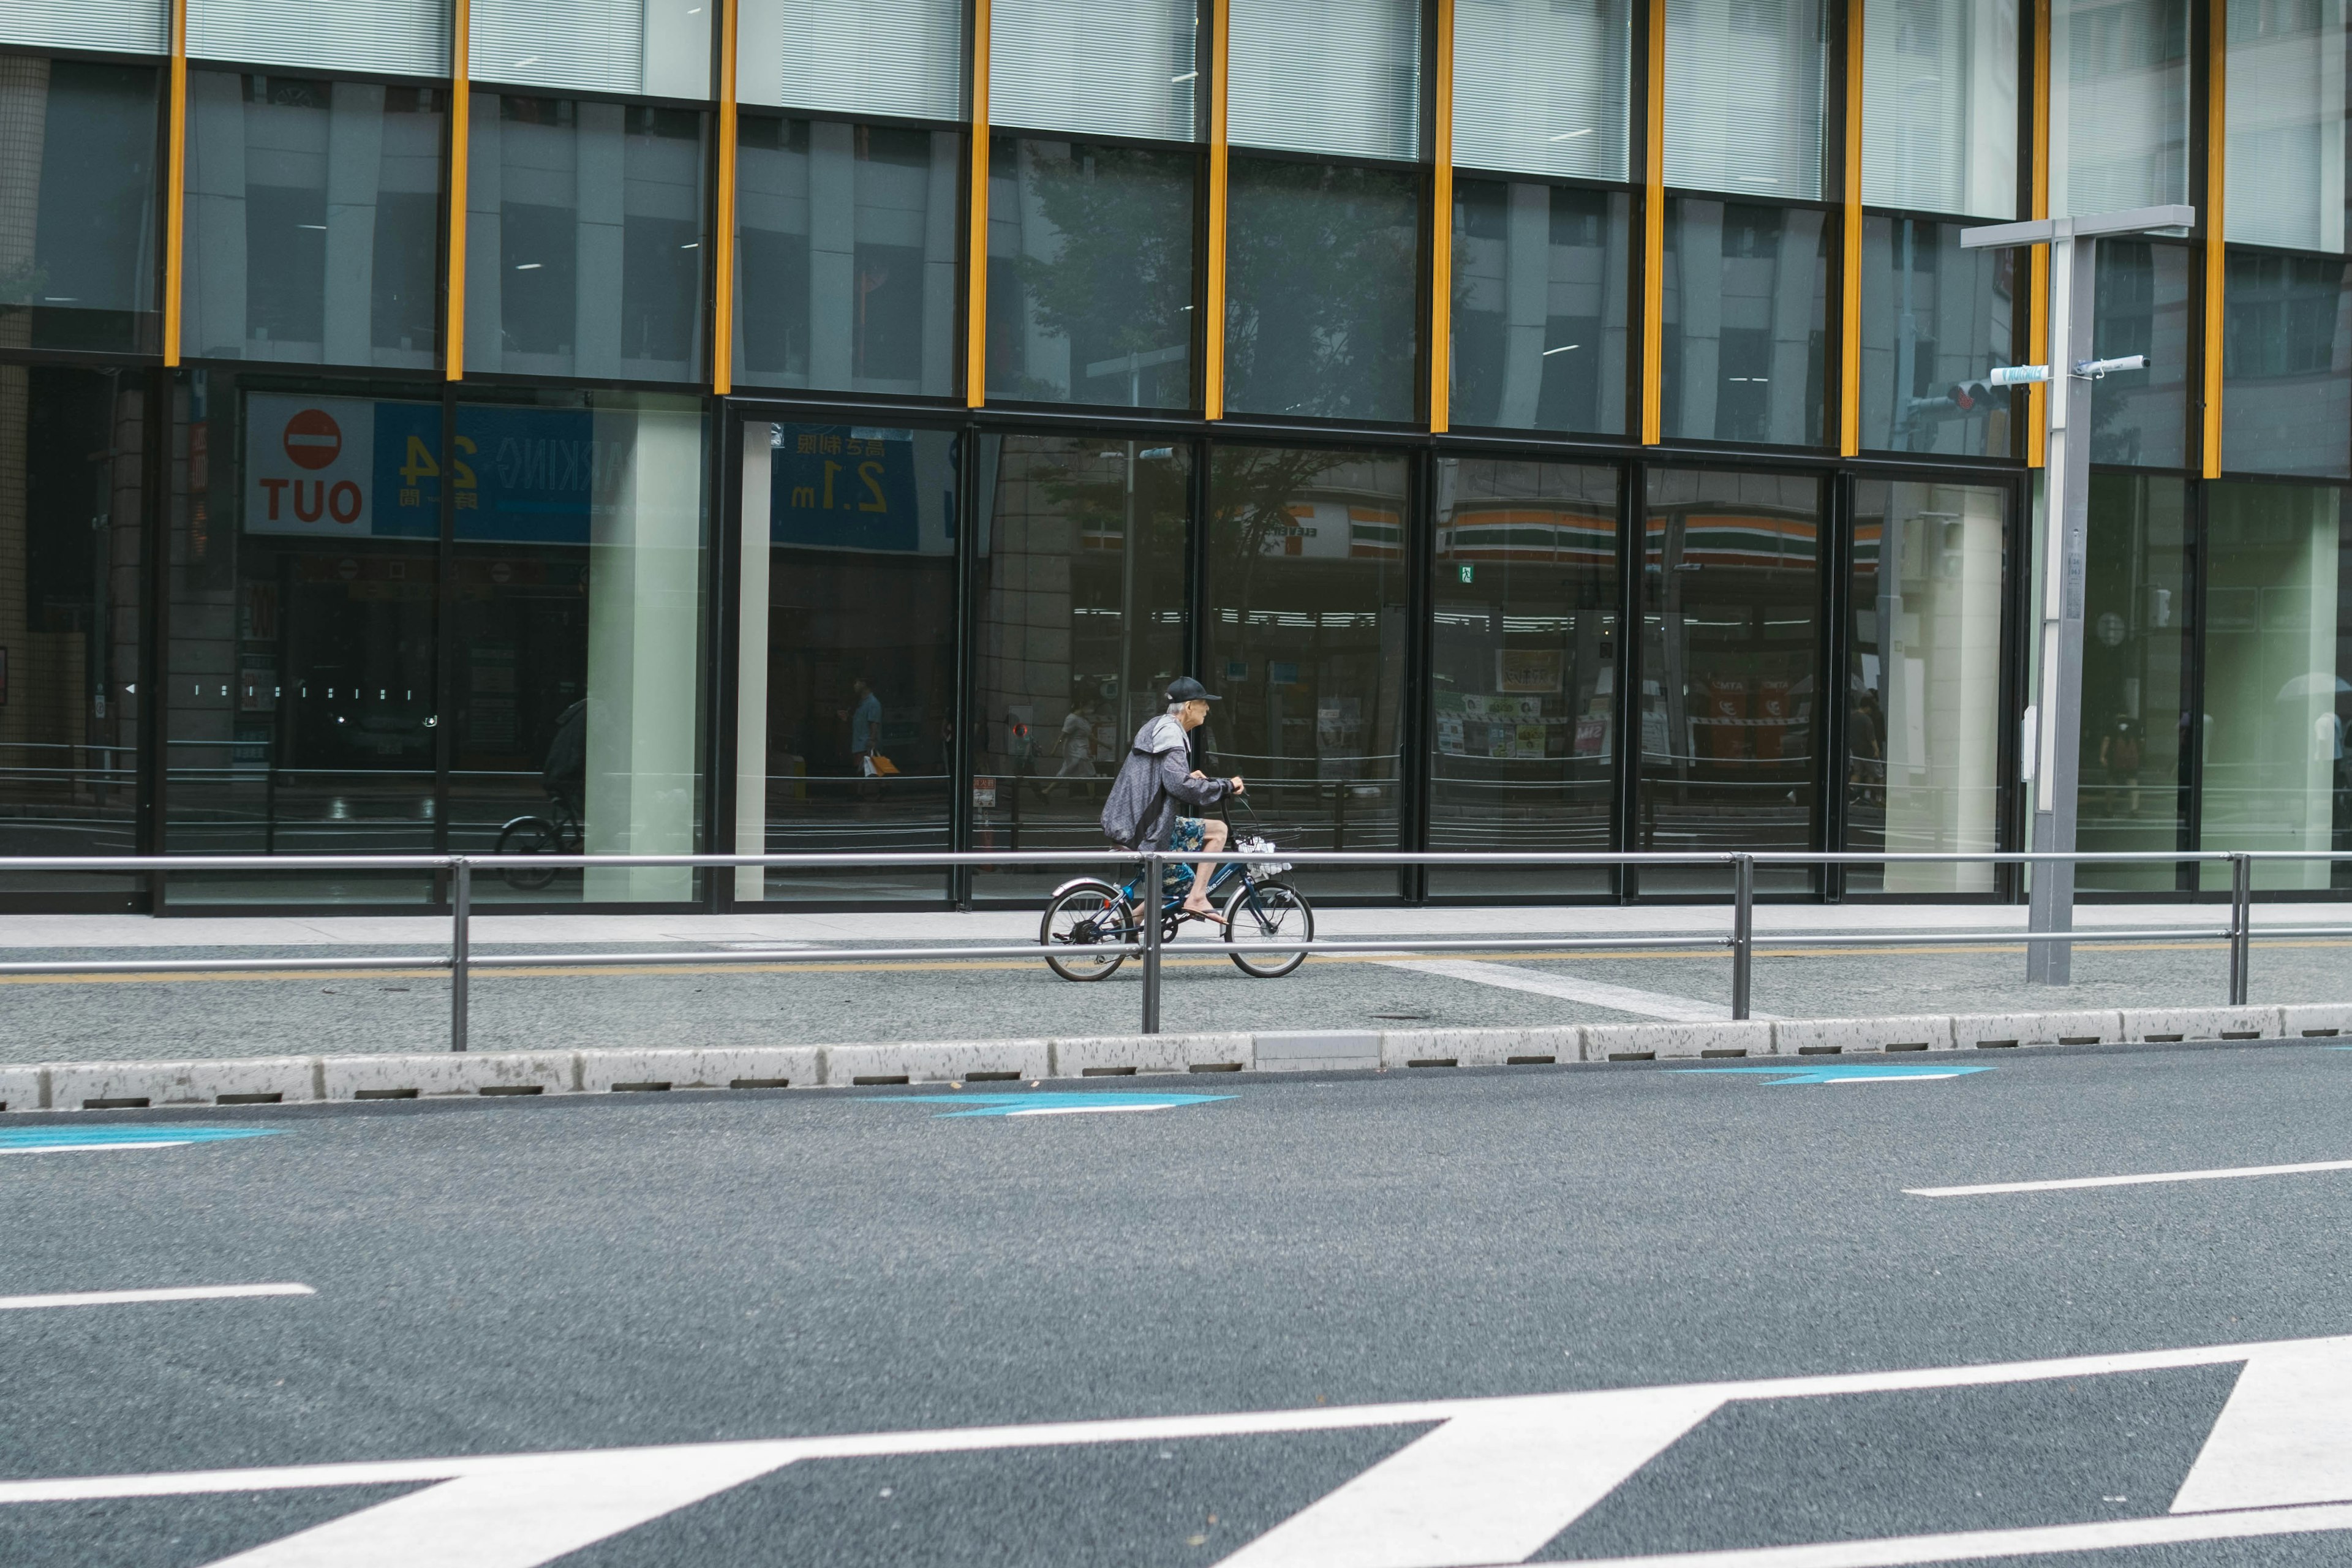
90	1148
172	1293
2160	1177
1083	1110
1474	1491
1598	993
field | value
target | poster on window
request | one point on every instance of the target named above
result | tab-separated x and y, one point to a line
1533	669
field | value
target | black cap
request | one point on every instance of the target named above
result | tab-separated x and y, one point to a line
1184	689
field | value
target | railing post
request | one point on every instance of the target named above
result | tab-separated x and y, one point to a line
1150	944
461	915
1743	931
2241	924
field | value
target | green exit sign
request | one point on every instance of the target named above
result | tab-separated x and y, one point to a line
1465	572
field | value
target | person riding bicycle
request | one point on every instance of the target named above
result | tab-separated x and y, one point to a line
565	771
1140	810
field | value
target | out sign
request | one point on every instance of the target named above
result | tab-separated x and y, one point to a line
309	462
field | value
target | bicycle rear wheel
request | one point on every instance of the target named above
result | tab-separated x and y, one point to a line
529	836
1085	931
1261	913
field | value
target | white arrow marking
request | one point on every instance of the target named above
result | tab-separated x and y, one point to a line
2285	1436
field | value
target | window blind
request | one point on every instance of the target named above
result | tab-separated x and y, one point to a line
2284	184
855	57
657	47
1939	106
1541	86
1341	77
396	37
2119	105
135	26
1067	65
1744	96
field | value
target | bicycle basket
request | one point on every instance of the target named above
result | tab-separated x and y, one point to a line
1258	845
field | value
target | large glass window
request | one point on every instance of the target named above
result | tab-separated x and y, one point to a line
1082	568
1337	77
1744	96
2286	357
2275	699
1543	88
2134	650
1939	106
1090	273
314	220
393	37
1104	71
72	507
847	256
1936	319
2141	416
1322	302
1745	323
1923	683
845	672
1731	635
130	26
902	57
660	49
2284	98
77	182
1542	275
585	231
2118	105
1525	671
1306	640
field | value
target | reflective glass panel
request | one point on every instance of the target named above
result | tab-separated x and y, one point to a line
2284	99
845	674
901	58
585	231
1744	96
1541	88
1306	642
2135	651
1939	106
1731	597
1936	319
1090	274
77	250
2118	105
1079	634
2141	416
1745	323
848	260
1524	661
2275	696
132	26
1337	77
1322	301
1542	275
660	49
71	508
1923	716
1104	71
389	37
2287	358
314	221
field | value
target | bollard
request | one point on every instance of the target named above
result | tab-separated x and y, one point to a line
1743	931
2241	926
1152	920
461	914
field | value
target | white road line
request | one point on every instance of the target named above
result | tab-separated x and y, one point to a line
172	1293
1599	994
89	1148
2150	1180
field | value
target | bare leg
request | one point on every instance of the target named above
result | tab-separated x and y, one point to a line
1196	899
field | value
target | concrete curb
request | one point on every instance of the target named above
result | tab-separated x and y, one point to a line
116	1086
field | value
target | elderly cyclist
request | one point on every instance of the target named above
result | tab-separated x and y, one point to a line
1141	810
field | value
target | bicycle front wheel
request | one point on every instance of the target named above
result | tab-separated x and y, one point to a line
1261	914
529	836
1085	931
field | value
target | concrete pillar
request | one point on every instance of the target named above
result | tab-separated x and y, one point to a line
214	246
942	269
1698	253
599	184
354	173
751	666
831	253
1527	298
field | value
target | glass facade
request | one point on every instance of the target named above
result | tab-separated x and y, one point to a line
890	534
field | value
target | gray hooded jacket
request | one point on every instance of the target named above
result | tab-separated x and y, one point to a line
1140	810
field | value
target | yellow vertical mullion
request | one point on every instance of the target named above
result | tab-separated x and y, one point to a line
722	290
1441	232
975	371
2217	147
1653	226
1850	272
2037	302
175	182
461	113
1212	294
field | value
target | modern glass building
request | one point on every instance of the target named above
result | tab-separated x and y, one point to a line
1551	426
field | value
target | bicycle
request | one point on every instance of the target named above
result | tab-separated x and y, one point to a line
1260	908
557	833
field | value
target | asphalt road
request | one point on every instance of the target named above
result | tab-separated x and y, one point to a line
515	1277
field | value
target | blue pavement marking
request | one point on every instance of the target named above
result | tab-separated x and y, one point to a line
120	1137
1065	1103
1853	1072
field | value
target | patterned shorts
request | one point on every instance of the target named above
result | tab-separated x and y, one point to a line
1191	835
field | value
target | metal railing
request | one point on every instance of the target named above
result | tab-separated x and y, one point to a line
1741	939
